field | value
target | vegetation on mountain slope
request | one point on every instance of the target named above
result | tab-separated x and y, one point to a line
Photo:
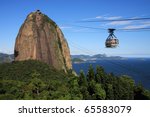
36	80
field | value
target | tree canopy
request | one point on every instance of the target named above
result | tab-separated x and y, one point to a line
32	80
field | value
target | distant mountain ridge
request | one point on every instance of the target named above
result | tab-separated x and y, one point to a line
6	57
10	57
96	57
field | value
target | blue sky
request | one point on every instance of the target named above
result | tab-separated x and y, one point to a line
66	13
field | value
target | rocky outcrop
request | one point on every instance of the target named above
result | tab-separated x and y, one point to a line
40	38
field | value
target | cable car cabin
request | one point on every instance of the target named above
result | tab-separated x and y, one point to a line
111	41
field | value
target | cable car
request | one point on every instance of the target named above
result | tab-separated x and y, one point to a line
111	41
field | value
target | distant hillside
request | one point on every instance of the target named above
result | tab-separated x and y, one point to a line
97	57
80	56
77	60
4	58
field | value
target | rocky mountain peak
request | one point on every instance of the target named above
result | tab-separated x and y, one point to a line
40	38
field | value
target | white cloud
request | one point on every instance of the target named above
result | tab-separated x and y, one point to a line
65	27
132	27
137	26
99	17
119	23
113	17
103	17
92	18
146	22
6	51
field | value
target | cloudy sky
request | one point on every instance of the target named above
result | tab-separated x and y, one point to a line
84	24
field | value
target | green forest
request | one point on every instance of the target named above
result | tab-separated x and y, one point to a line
34	80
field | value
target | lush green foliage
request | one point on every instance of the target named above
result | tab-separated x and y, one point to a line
35	80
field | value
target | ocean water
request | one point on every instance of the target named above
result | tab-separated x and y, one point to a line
138	69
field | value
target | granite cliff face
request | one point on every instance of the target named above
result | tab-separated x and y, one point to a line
40	38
